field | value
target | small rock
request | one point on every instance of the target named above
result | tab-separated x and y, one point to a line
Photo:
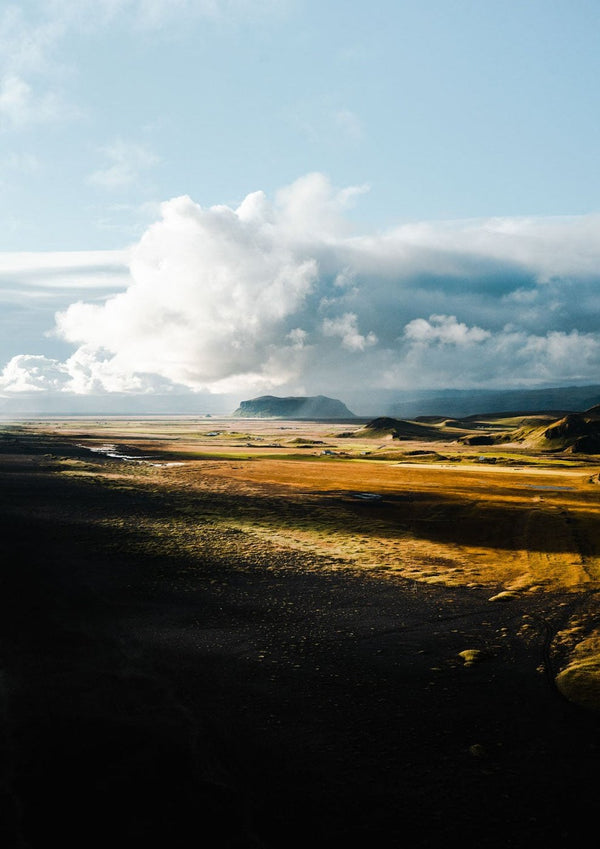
471	656
506	595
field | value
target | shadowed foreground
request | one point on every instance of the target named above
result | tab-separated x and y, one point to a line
241	696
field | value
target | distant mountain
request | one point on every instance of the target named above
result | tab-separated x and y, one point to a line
292	407
464	402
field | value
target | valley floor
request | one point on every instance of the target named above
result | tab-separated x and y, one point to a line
220	642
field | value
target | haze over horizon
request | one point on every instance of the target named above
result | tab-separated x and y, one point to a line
217	199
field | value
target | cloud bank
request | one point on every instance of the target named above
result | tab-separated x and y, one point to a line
283	294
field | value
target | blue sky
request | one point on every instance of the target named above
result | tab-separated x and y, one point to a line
428	211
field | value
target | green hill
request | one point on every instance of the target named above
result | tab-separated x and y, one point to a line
388	428
576	433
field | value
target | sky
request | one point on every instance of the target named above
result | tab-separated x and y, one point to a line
207	200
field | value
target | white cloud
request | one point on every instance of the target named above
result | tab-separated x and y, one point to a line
28	373
297	337
445	330
346	327
280	294
126	161
311	209
211	293
86	372
509	358
90	372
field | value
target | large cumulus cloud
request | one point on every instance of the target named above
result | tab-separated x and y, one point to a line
283	293
211	292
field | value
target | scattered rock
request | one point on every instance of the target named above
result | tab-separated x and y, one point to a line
579	680
580	683
471	656
505	595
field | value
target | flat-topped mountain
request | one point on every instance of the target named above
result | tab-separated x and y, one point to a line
294	407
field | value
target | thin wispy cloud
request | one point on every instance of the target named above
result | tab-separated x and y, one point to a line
53	279
29	67
19	162
21	106
152	14
126	163
29	36
33	72
322	123
40	264
349	124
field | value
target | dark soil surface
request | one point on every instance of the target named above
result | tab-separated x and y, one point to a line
240	701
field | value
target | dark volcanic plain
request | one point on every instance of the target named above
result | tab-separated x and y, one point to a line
235	640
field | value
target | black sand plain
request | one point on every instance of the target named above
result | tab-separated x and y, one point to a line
255	698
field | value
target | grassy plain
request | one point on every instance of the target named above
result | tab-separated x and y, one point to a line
264	515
